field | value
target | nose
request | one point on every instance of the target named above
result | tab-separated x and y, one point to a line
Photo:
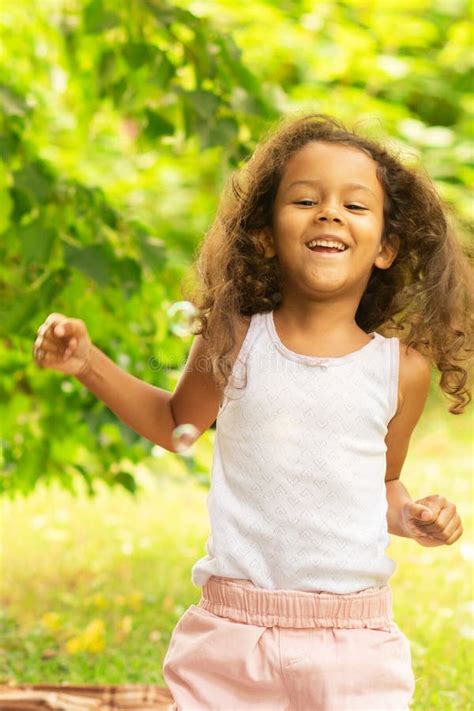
328	213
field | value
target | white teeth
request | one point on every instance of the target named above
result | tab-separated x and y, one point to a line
326	243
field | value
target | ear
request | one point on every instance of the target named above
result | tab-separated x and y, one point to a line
388	251
266	238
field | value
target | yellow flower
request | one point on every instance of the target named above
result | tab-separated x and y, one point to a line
92	639
100	601
74	645
94	636
52	621
135	599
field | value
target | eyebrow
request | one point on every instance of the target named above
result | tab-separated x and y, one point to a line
346	185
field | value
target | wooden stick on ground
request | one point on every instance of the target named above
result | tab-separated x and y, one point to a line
97	697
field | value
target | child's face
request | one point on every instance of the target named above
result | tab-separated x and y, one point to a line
315	197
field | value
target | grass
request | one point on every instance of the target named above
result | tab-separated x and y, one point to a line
92	588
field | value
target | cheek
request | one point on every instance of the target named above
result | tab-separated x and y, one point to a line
368	232
290	220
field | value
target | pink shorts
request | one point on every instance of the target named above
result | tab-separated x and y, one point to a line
245	647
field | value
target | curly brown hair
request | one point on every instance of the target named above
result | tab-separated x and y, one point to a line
426	293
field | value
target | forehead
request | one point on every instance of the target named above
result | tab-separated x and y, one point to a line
331	163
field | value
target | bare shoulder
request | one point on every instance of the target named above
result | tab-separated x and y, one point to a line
414	374
200	347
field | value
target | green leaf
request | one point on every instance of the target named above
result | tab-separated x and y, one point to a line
200	114
137	53
163	71
9	145
18	309
36	179
205	103
6	209
118	89
106	69
37	241
232	63
157	125
22	203
153	252
16	312
12	103
51	288
84	473
224	132
97	18
95	261
126	480
128	275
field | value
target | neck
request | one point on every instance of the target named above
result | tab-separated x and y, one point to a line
323	319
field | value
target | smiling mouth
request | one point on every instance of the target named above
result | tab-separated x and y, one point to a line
327	251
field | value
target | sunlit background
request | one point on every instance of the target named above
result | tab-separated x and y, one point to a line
119	122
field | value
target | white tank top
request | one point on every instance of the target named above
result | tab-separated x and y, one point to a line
297	498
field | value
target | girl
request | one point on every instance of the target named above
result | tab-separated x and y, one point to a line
324	245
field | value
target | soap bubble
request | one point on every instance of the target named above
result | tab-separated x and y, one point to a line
184	437
182	318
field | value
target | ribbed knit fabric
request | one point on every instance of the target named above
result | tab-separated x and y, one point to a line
297	498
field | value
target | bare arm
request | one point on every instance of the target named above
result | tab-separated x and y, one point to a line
143	407
63	344
152	412
415	377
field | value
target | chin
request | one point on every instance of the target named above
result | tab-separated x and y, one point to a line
326	284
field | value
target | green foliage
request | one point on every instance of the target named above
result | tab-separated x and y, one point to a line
118	125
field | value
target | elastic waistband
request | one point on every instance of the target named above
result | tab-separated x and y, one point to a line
242	601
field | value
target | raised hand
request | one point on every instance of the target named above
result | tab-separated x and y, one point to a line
63	344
